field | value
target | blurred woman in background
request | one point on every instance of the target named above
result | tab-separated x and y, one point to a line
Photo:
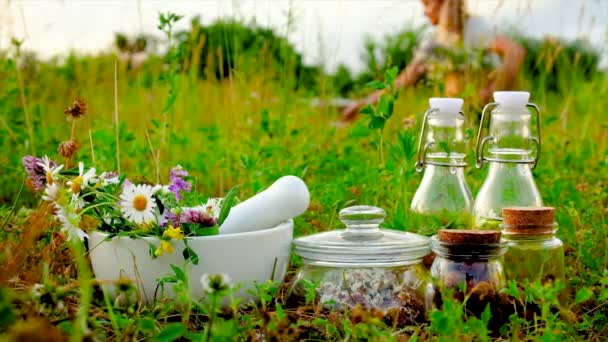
451	51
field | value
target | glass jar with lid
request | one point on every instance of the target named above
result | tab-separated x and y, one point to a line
512	150
365	265
468	265
534	253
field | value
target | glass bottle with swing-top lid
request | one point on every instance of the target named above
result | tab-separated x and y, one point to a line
443	193
364	265
512	151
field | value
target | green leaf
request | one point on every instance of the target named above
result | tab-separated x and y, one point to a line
152	250
389	109
179	273
377	122
383	105
367	110
227	204
171	332
391	74
189	254
280	312
583	295
376	85
145	324
486	315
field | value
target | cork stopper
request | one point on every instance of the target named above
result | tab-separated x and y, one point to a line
530	220
469	236
528	216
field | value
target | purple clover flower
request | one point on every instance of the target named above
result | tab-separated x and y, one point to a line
35	171
178	184
190	216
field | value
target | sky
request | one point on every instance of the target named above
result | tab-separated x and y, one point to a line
326	32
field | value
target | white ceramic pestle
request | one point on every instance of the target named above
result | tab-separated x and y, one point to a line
285	199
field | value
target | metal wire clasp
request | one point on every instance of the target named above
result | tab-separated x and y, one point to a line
421	161
480	143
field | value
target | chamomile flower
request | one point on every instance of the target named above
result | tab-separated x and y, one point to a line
51	192
83	179
137	204
107	178
71	221
50	169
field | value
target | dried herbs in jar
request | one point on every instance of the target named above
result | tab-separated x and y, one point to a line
365	265
468	265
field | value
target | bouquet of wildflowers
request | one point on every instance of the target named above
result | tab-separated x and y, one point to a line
84	200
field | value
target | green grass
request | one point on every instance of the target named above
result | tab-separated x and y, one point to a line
249	131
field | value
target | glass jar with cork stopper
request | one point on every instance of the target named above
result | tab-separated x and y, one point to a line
534	253
468	265
364	265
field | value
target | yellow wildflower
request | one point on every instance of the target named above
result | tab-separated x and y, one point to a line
164	247
174	233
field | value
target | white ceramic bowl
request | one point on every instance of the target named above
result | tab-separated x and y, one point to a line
245	257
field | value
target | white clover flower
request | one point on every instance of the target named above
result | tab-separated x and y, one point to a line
213	283
213	206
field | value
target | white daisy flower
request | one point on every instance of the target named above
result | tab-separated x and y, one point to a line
107	178
70	221
137	204
215	282
51	193
83	179
50	171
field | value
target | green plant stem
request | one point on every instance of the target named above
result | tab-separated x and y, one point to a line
116	125
115	326
86	293
26	113
211	316
14	205
381	147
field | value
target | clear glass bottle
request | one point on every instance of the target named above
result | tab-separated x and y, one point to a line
535	253
468	264
443	192
512	153
364	265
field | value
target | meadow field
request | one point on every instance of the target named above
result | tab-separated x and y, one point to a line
247	127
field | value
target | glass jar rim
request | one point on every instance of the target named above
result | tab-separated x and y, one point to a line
363	242
395	248
472	251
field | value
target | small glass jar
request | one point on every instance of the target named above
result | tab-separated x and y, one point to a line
534	253
468	265
364	265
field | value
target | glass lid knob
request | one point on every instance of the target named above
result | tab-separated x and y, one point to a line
362	221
